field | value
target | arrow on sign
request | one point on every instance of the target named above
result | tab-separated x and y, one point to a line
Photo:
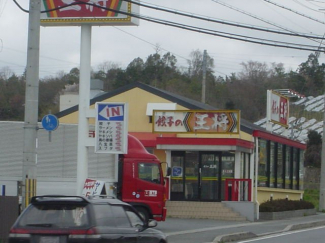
109	112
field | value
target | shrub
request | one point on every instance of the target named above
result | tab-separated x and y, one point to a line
280	205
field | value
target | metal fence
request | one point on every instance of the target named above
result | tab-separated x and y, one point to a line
9	210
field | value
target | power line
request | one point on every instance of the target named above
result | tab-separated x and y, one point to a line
212	32
206	31
255	17
190	15
290	33
149	43
296	1
229	35
296	12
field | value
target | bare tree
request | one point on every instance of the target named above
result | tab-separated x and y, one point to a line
6	73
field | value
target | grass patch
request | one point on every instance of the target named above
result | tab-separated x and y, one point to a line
312	195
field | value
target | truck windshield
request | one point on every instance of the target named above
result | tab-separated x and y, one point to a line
149	172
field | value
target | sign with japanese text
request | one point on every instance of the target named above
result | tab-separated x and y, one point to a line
111	128
277	108
216	121
93	188
95	12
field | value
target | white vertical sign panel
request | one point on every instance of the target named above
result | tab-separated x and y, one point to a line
111	128
277	108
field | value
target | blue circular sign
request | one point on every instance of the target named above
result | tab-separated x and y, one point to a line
50	122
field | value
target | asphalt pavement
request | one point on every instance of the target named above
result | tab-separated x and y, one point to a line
213	231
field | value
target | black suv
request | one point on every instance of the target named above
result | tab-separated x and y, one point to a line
70	219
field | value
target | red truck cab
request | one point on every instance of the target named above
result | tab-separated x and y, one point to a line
141	181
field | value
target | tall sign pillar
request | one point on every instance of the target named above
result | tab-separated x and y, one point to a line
84	97
86	14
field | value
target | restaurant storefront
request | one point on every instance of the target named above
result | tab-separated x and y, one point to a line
201	166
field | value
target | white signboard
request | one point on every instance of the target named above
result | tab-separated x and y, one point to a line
277	108
111	128
93	188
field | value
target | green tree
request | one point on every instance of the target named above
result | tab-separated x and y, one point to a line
311	77
313	151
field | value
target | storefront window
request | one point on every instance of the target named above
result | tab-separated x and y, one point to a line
244	166
191	175
262	163
272	164
280	167
228	166
288	168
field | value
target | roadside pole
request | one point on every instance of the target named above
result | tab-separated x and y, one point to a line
31	103
84	98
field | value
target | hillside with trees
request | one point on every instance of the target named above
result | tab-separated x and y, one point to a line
245	90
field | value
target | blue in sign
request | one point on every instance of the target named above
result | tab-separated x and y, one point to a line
50	122
110	112
177	171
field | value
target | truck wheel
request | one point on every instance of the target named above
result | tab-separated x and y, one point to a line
143	213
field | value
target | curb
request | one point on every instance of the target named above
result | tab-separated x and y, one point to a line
249	235
306	225
234	237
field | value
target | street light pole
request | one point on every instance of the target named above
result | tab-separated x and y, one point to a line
31	103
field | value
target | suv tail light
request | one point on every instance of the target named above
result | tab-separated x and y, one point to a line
79	233
18	231
84	234
91	231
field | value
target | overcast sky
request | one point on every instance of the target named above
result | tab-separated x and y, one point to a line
60	46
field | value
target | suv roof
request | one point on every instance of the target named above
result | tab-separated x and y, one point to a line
75	199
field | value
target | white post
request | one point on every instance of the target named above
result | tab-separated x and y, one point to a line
84	98
257	204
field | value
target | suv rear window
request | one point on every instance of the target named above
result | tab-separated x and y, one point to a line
55	215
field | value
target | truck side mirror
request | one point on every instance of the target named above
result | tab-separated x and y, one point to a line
169	171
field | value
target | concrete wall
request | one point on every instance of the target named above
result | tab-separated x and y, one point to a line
265	193
246	209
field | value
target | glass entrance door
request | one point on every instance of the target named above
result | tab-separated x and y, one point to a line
210	176
196	176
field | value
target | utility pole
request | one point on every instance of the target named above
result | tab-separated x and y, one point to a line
204	70
31	103
322	172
